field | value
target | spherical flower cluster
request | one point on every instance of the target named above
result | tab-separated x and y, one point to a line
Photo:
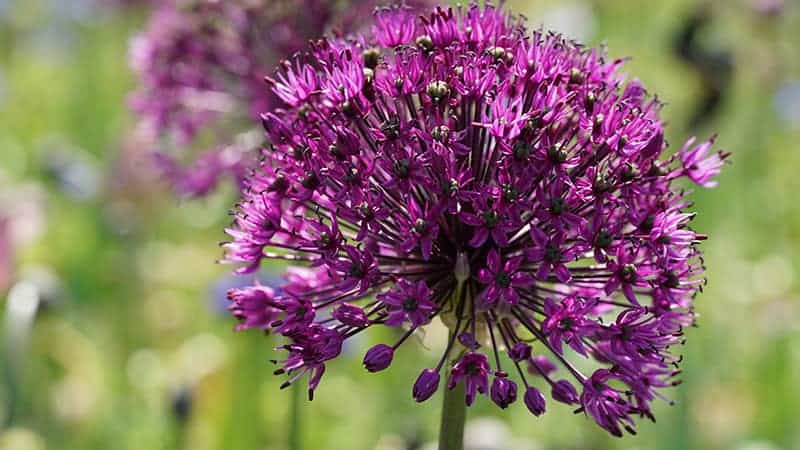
201	66
514	186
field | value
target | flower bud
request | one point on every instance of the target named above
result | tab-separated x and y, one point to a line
378	358
468	340
426	385
564	392
534	400
504	391
520	352
351	315
539	365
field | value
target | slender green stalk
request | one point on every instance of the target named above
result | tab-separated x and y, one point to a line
454	408
454	414
295	419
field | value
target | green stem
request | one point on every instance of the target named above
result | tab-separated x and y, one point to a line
454	414
454	408
295	419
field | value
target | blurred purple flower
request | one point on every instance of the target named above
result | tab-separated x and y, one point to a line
201	66
6	255
768	8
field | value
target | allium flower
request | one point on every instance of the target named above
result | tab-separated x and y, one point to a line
201	65
513	185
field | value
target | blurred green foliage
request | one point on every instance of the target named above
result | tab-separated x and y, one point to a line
136	327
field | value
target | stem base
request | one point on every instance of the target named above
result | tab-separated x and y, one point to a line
454	414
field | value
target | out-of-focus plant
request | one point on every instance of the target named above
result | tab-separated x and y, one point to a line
201	66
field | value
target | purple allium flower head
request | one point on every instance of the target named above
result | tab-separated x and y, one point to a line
511	184
201	66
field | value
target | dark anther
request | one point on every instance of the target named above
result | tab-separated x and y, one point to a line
522	151
497	53
365	210
603	239
300	151
552	253
629	173
601	185
336	152
647	224
441	133
450	187
566	323
351	175
589	101
510	193
310	181
391	128
425	43
557	206
372	57
672	281
369	75
502	279
623	141
598	121
348	108
491	218
656	170
628	273
279	184
437	90
575	76
401	168
420	225
356	271
556	155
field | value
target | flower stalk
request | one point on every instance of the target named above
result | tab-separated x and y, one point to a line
454	414
454	408
295	418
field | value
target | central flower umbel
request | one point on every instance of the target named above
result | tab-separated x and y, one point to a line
514	185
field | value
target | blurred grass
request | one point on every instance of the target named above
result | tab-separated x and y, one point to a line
136	320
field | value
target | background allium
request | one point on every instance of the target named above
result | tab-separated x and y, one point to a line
201	67
514	185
